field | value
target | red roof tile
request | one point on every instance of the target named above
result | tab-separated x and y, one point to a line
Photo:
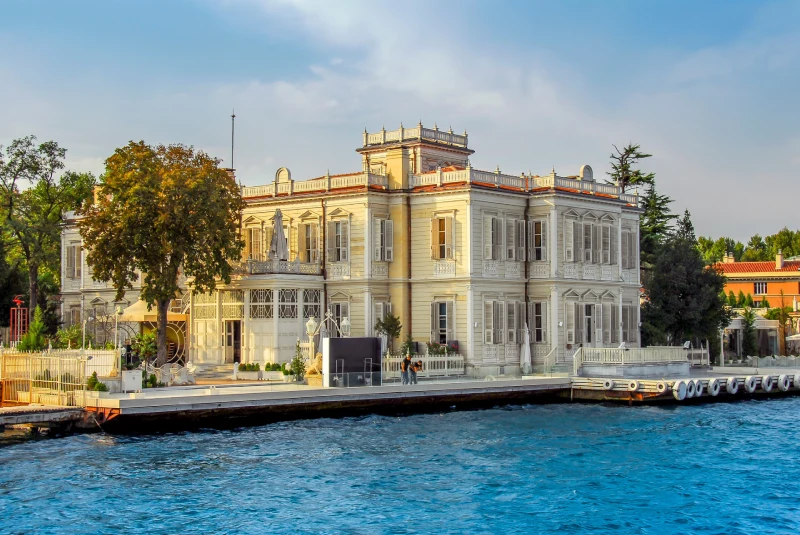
758	267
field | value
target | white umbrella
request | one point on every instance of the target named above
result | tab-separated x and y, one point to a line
278	247
793	338
525	357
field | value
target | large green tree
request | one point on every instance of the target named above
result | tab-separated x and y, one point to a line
35	196
683	296
160	210
623	167
656	224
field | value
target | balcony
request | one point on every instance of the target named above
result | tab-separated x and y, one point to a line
420	133
260	267
316	185
499	180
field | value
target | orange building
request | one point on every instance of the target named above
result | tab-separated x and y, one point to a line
766	281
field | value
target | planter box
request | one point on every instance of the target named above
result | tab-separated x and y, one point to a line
288	378
248	376
272	376
314	380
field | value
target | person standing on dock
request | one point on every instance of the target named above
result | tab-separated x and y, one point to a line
405	367
413	373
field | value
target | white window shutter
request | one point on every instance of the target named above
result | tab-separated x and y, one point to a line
487	238
579	316
313	229
434	326
388	237
450	320
377	311
596	244
434	238
511	322
488	322
345	241
625	244
587	242
388	308
302	240
531	238
499	318
71	261
449	238
377	239
614	245
520	240
569	243
607	323
511	248
598	324
544	240
330	237
570	310
78	261
497	239
544	321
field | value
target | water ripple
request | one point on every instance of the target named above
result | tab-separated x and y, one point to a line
719	468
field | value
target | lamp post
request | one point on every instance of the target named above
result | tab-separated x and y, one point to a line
116	325
89	319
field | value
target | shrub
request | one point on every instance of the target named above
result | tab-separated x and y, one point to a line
33	340
92	381
100	387
242	367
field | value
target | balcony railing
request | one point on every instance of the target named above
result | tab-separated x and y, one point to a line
326	183
419	132
255	267
522	183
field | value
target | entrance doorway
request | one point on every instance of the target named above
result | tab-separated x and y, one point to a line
588	326
233	341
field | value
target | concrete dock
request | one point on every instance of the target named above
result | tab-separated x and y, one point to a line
41	417
233	405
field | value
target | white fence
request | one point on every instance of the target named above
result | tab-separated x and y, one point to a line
634	355
432	366
41	378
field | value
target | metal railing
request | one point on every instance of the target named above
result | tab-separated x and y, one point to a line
44	379
634	355
432	366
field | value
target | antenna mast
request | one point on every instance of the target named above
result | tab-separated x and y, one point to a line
233	128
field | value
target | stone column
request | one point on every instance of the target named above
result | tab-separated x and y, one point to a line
470	353
275	328
553	334
553	241
619	316
247	355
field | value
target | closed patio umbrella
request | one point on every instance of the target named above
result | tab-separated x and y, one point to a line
525	354
278	247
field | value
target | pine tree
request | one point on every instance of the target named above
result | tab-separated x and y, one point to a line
741	300
655	226
732	299
623	173
749	342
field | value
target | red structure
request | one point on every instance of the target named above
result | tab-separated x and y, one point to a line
19	320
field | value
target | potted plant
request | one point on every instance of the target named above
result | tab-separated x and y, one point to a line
272	372
249	372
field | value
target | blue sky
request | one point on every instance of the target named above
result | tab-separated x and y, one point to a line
709	88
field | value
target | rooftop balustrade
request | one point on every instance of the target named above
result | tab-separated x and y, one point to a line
316	185
418	132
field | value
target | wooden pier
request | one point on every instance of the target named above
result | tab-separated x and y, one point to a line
61	419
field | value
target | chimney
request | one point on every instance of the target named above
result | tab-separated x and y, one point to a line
779	260
728	258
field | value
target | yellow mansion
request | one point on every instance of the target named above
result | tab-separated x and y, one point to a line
463	257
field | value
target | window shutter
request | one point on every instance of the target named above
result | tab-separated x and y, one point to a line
256	246
570	310
578	240
434	240
499	318
587	242
607	323
597	244
345	241
625	244
634	251
520	322
434	313
511	322
71	262
544	240
521	240
497	239
614	323
450	321
606	244
544	321
598	324
449	238
313	231
78	261
511	248
579	334
487	237
388	308
377	312
614	244
330	237
377	239
569	255
388	240
488	322
303	232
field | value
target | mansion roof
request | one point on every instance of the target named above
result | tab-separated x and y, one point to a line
759	267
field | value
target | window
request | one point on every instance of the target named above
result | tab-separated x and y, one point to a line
442	238
587	242
308	236
232	304
311	304
74	261
760	288
569	240
383	236
493	322
338	241
442	320
74	315
511	239
630	250
606	247
254	243
512	318
287	304
492	238
521	240
340	311
537	238
630	324
538	327
261	304
590	242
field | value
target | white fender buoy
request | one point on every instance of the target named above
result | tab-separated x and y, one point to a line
608	384
797	381
661	387
783	383
679	390
698	388
766	383
713	387
750	384
732	385
633	386
690	389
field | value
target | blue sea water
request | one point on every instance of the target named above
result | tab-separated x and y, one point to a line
723	468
